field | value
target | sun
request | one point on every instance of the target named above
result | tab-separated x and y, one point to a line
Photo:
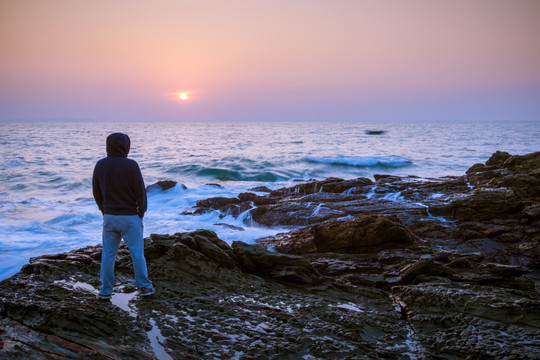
183	96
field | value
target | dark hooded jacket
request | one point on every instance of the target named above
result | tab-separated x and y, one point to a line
117	183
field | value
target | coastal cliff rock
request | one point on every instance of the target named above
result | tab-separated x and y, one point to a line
396	268
216	301
254	304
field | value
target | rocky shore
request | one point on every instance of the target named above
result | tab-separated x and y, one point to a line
390	268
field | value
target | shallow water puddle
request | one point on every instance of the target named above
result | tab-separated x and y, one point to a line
348	306
122	301
351	307
156	339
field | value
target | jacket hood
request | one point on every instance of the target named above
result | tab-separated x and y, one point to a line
118	145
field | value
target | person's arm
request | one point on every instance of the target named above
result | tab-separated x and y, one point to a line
96	189
140	192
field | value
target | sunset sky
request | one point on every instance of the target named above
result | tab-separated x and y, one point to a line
329	60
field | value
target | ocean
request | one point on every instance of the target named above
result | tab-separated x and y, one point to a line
46	203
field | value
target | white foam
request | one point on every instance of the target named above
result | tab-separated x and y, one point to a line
317	209
246	218
393	196
371	192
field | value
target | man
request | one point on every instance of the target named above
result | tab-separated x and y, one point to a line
118	189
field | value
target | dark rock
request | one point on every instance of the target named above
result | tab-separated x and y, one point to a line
330	185
163	185
238	228
293	213
502	165
479	168
383	178
261	189
217	202
199	297
532	211
425	268
247	196
227	206
359	235
485	204
258	260
524	164
498	159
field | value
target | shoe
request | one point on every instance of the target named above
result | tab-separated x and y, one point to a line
103	296
147	291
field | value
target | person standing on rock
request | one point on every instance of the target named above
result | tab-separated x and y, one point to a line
118	188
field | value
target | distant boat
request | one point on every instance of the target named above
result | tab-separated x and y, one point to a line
375	132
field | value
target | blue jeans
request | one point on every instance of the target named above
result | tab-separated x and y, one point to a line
129	228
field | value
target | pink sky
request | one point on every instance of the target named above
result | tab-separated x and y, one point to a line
270	60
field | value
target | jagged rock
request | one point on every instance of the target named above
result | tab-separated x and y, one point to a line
425	269
217	202
502	165
293	213
258	260
524	164
363	303
330	185
228	206
359	235
203	308
498	159
482	204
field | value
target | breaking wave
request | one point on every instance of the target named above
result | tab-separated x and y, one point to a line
231	175
362	161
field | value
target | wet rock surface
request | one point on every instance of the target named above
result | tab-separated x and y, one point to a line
163	185
395	268
213	301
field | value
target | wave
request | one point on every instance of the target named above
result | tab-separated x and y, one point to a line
249	171
231	175
362	161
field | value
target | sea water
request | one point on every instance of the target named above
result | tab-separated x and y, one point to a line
46	203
